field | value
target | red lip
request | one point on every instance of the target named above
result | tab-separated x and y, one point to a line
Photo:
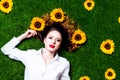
51	46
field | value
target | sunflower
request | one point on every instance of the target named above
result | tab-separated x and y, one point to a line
78	37
84	78
37	24
110	74
6	6
118	19
107	46
89	4
57	15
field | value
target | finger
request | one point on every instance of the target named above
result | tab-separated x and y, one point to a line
34	33
31	33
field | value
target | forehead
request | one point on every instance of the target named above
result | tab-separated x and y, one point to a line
54	33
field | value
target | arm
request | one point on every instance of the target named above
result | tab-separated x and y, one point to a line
65	75
10	47
27	34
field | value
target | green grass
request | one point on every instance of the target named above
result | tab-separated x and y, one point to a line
99	24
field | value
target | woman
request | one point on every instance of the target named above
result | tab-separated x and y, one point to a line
45	63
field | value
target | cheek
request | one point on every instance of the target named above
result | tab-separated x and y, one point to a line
58	44
46	42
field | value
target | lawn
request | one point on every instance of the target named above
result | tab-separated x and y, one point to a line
99	24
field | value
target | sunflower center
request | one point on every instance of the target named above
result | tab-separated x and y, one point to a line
6	5
107	46
78	37
110	73
58	15
37	24
89	4
84	79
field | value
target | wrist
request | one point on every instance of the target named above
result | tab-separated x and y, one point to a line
21	37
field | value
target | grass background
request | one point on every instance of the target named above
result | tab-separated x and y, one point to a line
99	24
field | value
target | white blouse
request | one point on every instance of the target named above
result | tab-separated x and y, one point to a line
35	67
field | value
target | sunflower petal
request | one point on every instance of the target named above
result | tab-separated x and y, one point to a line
89	4
37	24
79	37
107	46
84	78
57	15
6	6
110	74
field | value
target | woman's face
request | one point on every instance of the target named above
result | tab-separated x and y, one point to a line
53	41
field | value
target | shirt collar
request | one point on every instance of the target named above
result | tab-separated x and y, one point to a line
56	55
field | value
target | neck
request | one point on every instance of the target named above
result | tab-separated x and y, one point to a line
47	55
47	52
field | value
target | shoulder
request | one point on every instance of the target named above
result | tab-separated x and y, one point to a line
64	61
33	51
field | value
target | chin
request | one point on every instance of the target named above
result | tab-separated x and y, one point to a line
51	50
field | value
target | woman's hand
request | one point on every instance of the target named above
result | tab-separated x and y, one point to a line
29	33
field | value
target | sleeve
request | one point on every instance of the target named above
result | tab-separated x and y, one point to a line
65	75
14	53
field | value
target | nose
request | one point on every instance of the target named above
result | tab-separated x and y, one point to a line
53	41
